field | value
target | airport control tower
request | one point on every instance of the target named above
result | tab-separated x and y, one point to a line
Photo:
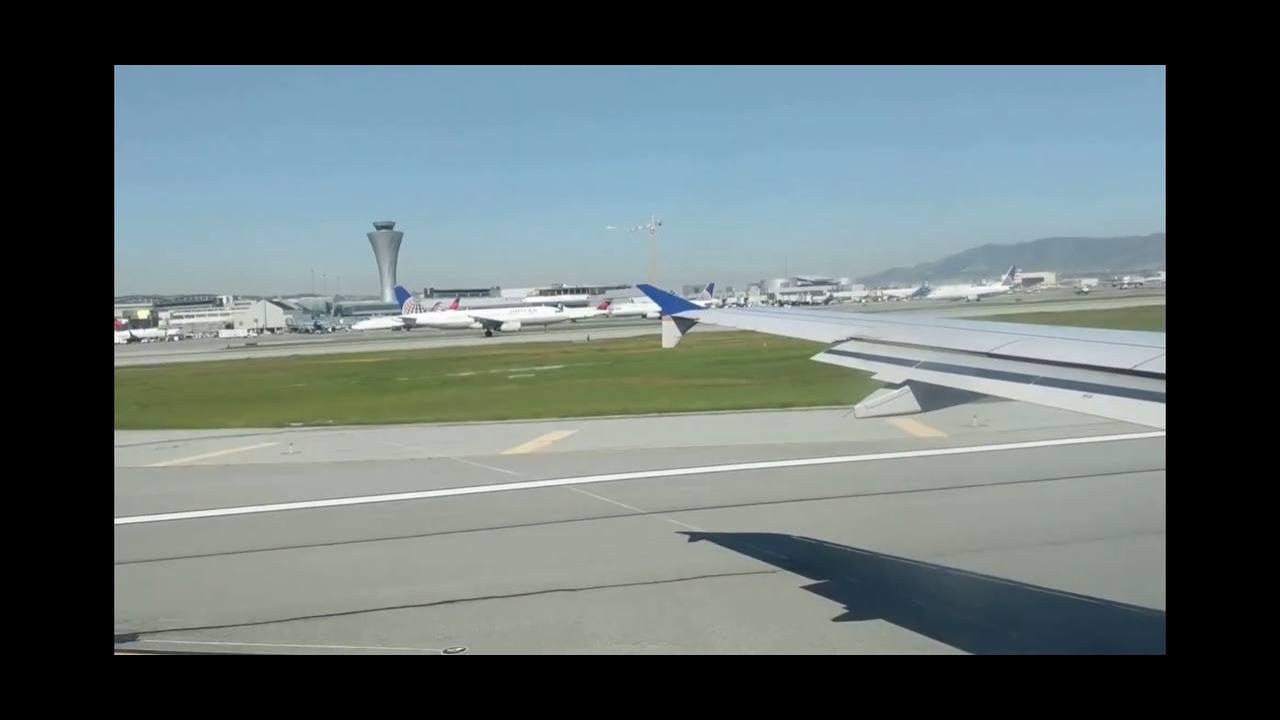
385	240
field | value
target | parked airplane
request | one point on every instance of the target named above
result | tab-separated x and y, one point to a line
903	293
505	319
126	335
576	314
1132	281
972	293
409	306
858	296
499	319
640	307
1116	374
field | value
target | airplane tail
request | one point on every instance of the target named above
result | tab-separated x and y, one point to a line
1009	275
436	307
921	291
604	305
708	292
404	298
456	303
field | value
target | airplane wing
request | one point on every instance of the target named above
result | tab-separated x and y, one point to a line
1116	374
487	322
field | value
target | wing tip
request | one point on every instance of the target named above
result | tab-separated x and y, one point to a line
668	303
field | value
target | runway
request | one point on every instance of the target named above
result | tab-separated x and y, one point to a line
993	527
210	349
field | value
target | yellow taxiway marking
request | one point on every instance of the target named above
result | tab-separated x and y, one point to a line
193	458
915	427
539	443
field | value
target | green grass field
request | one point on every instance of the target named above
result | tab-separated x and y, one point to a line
708	371
1142	317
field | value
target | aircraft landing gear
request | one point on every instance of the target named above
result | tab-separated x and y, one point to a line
488	333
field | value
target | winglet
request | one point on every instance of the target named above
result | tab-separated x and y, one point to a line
668	303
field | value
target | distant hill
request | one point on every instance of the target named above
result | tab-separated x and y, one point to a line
1064	255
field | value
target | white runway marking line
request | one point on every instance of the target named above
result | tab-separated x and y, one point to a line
635	509
284	645
486	467
638	475
540	442
205	456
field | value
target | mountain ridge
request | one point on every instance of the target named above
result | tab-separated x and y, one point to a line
1064	255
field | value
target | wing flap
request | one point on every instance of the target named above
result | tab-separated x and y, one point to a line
1089	347
1128	398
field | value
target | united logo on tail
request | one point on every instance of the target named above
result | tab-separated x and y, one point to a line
408	305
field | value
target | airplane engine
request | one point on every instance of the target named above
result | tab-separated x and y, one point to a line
476	326
510	326
972	298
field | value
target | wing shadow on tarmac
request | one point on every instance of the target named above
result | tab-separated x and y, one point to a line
976	613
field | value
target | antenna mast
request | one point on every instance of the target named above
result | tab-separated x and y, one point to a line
652	226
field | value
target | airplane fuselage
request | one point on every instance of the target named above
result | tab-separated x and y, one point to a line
475	319
966	292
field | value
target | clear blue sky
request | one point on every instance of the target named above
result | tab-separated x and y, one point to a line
244	179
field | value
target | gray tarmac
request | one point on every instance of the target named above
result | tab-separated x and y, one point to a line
210	349
520	538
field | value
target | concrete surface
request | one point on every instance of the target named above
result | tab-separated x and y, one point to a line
1043	548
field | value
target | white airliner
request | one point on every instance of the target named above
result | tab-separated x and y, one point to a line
491	320
971	293
643	308
858	296
499	319
125	335
1115	374
903	293
1131	281
576	314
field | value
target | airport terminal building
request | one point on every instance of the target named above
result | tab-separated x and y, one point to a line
207	314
